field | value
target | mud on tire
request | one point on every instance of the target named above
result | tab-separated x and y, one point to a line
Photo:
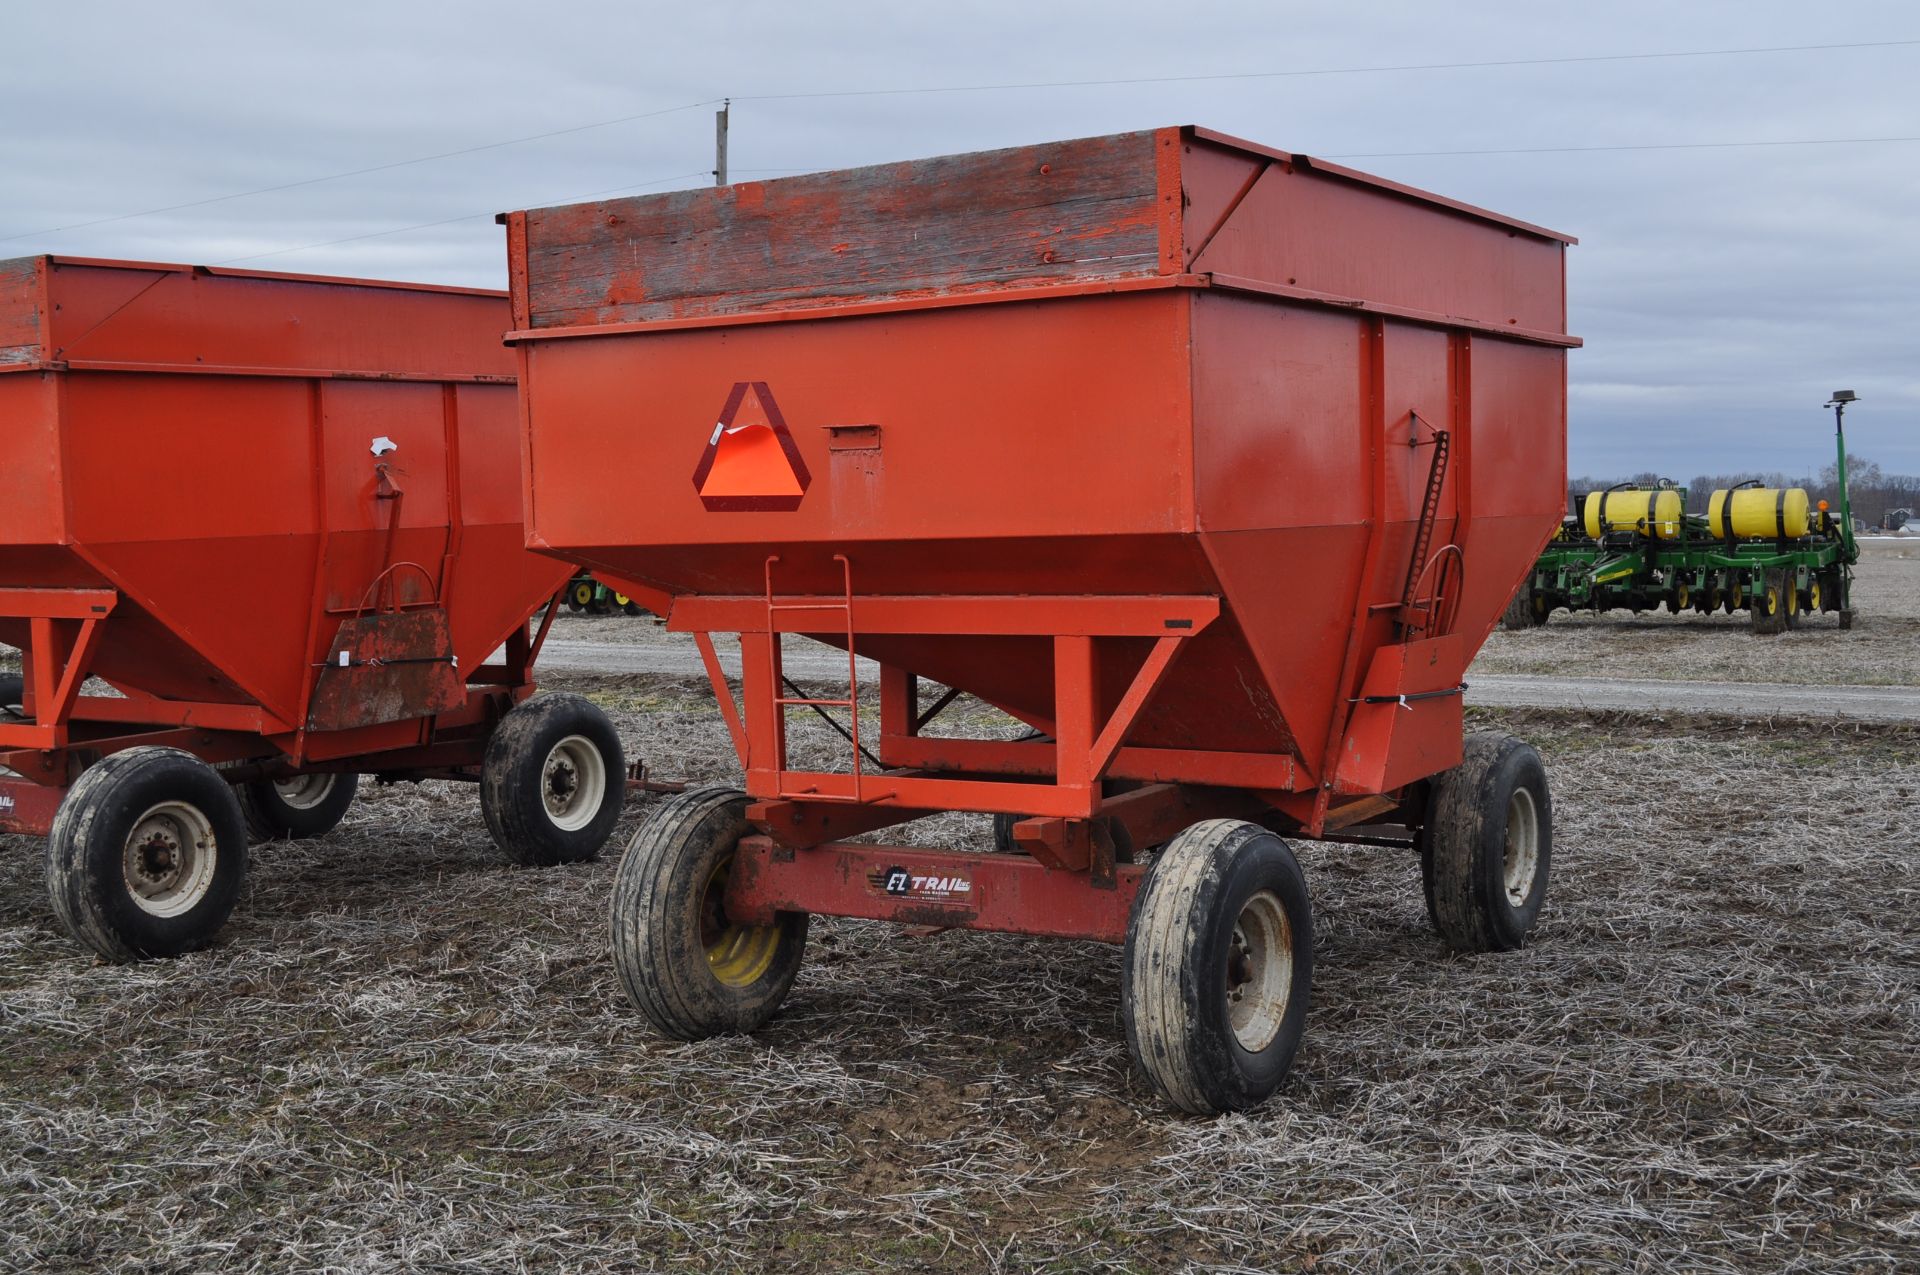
1524	610
1487	845
296	808
1218	967
553	781
147	855
1772	606
684	963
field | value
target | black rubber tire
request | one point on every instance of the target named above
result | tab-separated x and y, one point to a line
1003	824
1830	590
515	781
633	608
12	688
1464	846
580	594
1523	610
1003	834
668	914
1422	841
1775	592
86	853
270	816
1174	972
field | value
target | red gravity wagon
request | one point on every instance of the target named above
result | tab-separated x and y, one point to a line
279	518
1211	464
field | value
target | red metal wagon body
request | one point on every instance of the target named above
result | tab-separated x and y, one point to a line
1212	464
279	516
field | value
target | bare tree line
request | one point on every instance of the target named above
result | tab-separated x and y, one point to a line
1874	491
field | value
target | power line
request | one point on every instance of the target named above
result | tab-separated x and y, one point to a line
1338	70
448	221
1519	150
1643	146
970	88
358	172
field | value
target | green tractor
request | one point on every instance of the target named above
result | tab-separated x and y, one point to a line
584	593
1765	550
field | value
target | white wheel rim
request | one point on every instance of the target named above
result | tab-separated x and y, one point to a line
573	782
1523	846
169	858
1259	971
304	792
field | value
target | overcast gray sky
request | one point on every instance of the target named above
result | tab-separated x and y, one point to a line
1722	291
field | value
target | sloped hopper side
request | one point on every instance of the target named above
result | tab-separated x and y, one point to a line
201	443
1205	369
1066	471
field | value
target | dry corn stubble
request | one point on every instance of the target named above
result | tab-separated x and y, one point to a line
406	1056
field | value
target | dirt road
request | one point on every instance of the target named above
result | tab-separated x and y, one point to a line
1504	690
679	659
1745	699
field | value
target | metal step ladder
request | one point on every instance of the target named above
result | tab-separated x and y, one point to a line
782	701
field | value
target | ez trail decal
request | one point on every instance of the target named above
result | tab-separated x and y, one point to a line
902	884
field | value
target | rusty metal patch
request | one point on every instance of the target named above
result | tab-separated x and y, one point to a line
387	668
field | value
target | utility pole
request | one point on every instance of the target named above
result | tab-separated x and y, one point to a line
720	142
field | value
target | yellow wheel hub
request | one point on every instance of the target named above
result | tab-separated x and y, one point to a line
1773	600
739	955
1813	596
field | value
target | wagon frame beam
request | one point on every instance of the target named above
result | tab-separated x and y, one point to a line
64	628
1058	779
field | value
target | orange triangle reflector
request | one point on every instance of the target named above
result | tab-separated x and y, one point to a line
751	461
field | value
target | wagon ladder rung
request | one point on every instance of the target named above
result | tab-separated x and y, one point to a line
852	701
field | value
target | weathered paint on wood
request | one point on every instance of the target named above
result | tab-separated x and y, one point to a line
20	310
189	318
1170	202
1063	212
